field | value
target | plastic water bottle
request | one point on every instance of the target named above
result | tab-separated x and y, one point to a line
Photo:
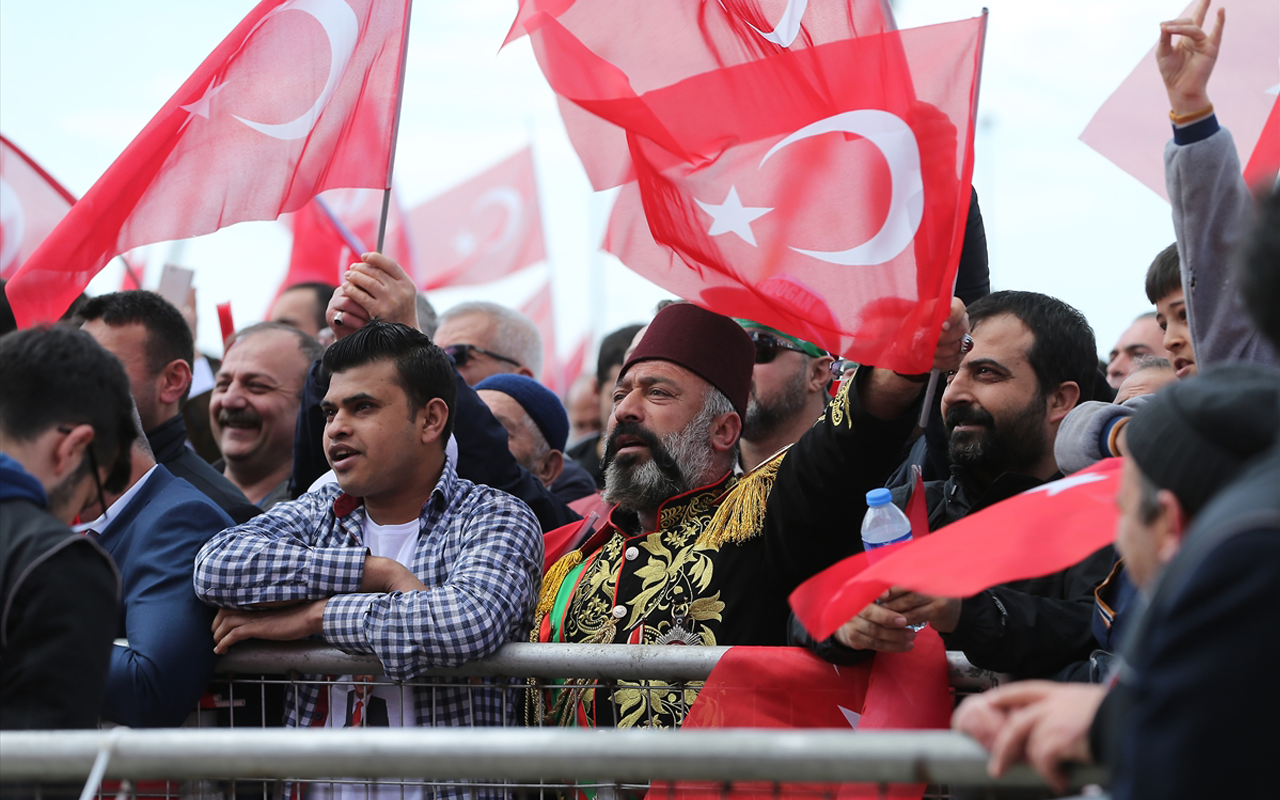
884	524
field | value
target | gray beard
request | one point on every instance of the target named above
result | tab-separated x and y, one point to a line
646	485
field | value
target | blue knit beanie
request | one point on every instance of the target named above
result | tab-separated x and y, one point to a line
539	402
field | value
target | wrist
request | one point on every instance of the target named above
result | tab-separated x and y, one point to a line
1184	104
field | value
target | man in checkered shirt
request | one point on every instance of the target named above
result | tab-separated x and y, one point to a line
402	558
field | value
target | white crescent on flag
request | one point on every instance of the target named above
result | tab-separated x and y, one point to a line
343	29
788	27
898	144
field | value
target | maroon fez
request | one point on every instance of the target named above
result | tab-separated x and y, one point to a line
713	347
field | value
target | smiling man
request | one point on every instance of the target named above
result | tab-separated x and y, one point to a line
401	558
254	408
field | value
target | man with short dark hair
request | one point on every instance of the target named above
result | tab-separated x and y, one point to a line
401	558
65	433
1164	289
302	306
254	408
1143	337
1032	360
151	338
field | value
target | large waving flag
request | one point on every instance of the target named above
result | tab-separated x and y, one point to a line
820	187
1132	126
335	228
301	97
32	204
483	229
1035	533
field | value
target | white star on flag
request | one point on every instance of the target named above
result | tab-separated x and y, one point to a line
1060	486
732	217
201	106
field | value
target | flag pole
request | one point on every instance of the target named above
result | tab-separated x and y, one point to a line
395	127
133	276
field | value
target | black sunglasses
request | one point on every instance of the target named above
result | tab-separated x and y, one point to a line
767	346
461	354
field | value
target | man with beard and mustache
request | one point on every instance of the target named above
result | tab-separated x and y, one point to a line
254	408
788	392
687	556
1031	362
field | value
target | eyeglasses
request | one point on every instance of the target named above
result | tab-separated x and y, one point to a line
461	354
93	468
767	346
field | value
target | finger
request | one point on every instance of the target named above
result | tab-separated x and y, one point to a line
1193	32
885	617
862	634
387	265
237	634
1201	10
364	291
373	280
1019	694
1047	756
1010	743
1216	36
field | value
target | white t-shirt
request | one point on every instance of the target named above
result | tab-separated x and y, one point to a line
374	704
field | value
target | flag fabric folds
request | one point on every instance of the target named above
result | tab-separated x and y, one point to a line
299	98
337	227
483	229
789	687
1132	126
1036	533
32	204
821	188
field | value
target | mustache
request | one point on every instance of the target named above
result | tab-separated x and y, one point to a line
238	417
662	457
968	415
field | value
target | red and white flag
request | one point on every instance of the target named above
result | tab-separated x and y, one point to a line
32	204
820	189
337	227
1132	126
481	230
301	97
789	687
661	42
1038	532
540	307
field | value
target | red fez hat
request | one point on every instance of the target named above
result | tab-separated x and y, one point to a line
713	347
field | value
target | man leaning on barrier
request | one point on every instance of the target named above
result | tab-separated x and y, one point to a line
401	558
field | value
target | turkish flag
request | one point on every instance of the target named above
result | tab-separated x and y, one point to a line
661	42
789	687
340	225
540	308
32	204
1035	533
1132	126
301	97
822	190
481	230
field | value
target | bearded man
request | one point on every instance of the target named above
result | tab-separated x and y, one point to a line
684	557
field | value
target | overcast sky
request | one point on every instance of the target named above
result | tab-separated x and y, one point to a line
79	79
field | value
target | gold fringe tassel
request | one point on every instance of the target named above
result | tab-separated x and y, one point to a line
741	515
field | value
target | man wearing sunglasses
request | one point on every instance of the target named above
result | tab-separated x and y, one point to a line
486	339
788	392
65	433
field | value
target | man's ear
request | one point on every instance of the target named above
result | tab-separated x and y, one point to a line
725	430
174	381
69	452
1175	528
525	371
432	417
1062	400
550	468
820	373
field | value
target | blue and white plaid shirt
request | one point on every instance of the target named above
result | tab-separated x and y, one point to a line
479	553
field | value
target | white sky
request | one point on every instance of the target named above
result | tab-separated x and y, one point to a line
79	79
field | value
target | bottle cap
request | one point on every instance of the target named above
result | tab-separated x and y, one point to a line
879	497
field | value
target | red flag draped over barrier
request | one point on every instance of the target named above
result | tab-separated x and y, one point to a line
789	687
481	230
1132	126
301	97
819	189
32	204
322	252
1038	532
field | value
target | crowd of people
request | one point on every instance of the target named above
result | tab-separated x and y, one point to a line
400	484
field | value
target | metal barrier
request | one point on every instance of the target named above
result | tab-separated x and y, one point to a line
488	762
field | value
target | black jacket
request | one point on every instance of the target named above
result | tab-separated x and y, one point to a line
168	442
